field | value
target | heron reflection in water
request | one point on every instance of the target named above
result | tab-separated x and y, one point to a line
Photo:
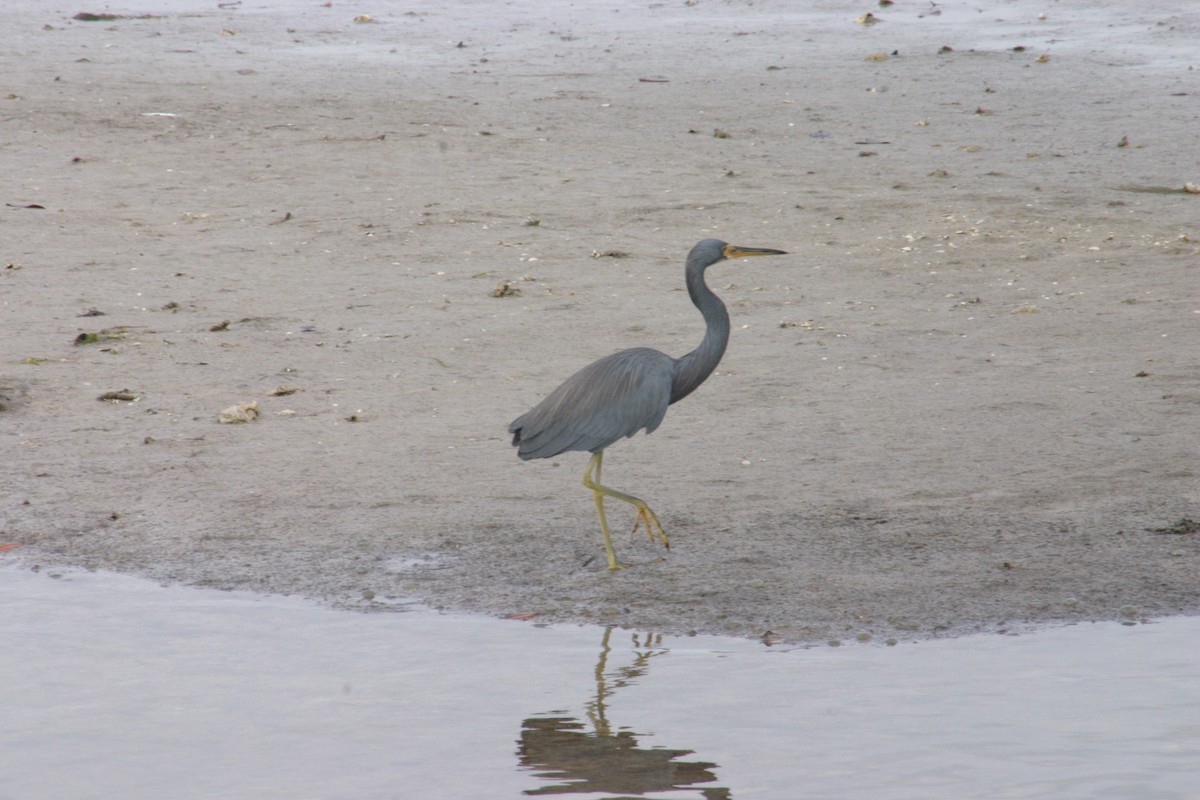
561	747
629	391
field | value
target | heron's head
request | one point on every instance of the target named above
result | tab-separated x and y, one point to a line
710	251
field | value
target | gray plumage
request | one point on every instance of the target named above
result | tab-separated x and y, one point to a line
605	401
629	391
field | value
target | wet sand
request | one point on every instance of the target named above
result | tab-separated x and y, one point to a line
966	402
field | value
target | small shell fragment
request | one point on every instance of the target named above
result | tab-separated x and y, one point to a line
505	289
239	412
119	396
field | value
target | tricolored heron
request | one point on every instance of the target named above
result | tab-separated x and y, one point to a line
621	394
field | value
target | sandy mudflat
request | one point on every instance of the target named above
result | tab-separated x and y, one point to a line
969	400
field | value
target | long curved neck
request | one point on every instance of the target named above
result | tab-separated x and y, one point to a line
692	369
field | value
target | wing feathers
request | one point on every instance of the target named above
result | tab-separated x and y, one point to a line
609	399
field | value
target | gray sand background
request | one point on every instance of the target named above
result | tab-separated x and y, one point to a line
966	402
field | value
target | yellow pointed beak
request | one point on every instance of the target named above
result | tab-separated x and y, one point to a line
733	251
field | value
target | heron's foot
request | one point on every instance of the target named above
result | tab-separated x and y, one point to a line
618	565
613	564
646	517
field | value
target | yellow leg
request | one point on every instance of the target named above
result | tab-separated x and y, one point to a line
598	497
645	516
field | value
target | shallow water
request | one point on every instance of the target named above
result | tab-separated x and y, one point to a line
117	687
